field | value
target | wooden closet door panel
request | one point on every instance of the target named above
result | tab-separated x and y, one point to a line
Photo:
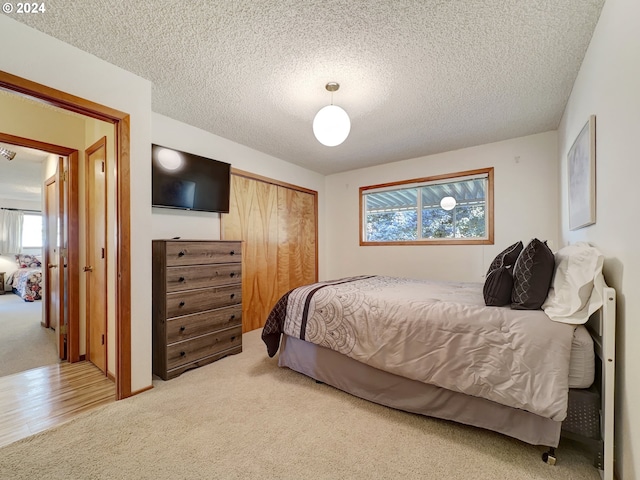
253	218
296	239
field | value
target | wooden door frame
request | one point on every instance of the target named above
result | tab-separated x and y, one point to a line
121	122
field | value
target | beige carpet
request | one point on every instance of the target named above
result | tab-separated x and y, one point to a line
24	343
244	418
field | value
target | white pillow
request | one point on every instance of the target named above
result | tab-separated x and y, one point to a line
572	297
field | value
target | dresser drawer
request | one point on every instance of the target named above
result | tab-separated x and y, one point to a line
197	253
200	276
191	350
192	301
174	372
189	326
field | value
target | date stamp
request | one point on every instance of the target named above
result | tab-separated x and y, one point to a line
26	7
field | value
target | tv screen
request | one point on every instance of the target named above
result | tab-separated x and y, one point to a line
189	182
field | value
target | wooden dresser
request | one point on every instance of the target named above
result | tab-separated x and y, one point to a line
197	303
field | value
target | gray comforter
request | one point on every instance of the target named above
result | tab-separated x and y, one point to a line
439	333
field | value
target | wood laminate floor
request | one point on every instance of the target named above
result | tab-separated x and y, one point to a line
38	399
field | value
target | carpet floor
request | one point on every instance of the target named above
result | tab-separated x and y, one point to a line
243	417
24	343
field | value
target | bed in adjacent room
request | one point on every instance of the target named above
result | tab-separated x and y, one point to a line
26	281
447	350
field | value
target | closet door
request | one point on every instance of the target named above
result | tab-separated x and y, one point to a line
297	240
253	218
277	224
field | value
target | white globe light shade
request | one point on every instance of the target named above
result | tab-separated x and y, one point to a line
331	125
448	203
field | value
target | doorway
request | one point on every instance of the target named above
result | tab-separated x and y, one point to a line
60	246
122	282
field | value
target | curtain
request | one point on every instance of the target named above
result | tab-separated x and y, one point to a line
10	231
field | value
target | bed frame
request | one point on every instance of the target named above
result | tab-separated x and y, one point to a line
590	419
344	373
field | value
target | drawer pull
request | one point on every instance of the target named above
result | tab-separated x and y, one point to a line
182	304
183	328
232	317
232	295
181	253
232	252
232	274
233	338
181	279
182	354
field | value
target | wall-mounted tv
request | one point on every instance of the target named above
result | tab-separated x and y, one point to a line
189	182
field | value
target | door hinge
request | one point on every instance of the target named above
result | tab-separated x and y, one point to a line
103	339
63	329
63	176
102	167
102	252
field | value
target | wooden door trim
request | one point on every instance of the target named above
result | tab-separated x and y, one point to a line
121	122
101	143
243	173
59	98
46	273
73	256
28	142
260	178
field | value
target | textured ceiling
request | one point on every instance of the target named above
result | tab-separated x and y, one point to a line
417	77
21	178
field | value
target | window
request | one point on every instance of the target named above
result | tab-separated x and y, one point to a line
448	209
32	230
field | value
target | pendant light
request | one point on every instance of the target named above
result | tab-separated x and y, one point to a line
448	203
331	124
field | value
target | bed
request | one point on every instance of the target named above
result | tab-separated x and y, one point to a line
26	281
436	348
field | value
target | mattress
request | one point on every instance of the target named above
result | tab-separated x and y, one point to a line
582	363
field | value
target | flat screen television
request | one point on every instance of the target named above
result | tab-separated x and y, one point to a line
189	182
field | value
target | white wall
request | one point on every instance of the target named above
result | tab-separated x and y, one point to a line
526	205
608	86
201	225
43	59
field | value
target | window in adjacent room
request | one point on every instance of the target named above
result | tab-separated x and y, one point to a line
456	208
32	230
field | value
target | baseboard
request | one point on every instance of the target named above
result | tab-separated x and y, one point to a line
141	390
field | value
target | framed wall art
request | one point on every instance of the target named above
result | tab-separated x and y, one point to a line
582	177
